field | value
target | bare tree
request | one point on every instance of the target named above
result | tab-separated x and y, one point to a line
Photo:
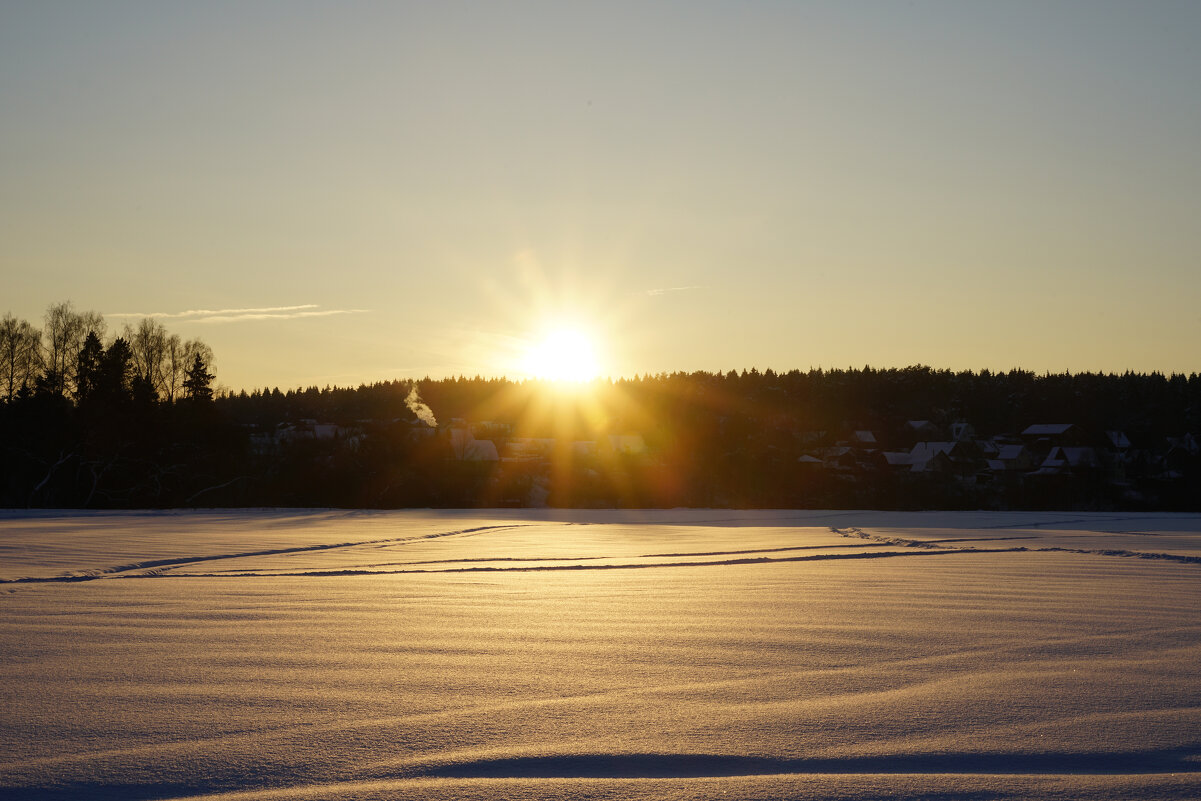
181	356
19	355
174	368
63	335
193	348
49	357
161	359
148	341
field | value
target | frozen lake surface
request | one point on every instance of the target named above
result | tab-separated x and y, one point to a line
679	654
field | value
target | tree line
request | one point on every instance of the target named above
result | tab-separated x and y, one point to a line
68	354
88	419
128	419
734	439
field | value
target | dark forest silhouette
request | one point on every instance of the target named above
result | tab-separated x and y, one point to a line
136	423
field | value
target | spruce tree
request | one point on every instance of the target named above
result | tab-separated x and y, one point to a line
197	382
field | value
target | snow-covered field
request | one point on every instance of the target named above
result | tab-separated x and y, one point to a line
685	654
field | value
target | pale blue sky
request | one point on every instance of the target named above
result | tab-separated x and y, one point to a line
960	184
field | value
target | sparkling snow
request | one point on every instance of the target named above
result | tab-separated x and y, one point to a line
677	654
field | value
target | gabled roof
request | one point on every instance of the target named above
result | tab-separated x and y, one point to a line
627	443
469	449
1187	443
937	461
325	431
962	431
1071	457
1048	429
1011	453
923	451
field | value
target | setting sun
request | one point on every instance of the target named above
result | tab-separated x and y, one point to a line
563	355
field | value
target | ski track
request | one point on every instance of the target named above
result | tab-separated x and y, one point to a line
627	566
1120	552
1043	523
980	539
758	550
173	562
509	769
161	568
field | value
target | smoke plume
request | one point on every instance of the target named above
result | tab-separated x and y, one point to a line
418	407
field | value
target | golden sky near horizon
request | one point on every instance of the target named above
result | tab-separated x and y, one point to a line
331	193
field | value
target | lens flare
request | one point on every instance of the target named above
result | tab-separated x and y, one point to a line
563	354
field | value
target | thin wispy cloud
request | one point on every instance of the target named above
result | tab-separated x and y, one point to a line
667	289
236	315
230	318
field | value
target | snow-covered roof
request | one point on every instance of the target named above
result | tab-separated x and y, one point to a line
937	460
469	449
530	446
1055	459
1187	443
627	443
1048	429
926	450
1011	453
481	450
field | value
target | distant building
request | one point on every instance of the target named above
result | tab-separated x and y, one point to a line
631	444
467	448
961	455
962	431
936	462
863	438
1055	433
523	448
1014	457
1118	440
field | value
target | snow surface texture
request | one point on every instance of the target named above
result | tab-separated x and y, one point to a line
680	654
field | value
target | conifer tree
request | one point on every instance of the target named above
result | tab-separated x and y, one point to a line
87	375
198	380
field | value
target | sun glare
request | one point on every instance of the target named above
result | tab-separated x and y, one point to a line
563	355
